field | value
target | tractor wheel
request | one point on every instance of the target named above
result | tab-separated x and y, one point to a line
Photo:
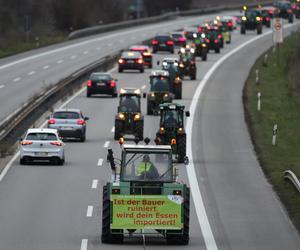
149	108
204	55
88	94
291	19
182	238
178	91
118	129
243	29
139	130
107	235
217	50
259	29
193	75
181	148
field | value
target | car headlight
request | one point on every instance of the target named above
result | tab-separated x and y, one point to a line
137	117
121	116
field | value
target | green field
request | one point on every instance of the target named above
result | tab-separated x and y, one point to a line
280	95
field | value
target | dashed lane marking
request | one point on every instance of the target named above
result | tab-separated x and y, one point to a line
100	162
113	129
17	79
31	73
89	212
2	86
106	144
94	184
46	67
84	244
59	61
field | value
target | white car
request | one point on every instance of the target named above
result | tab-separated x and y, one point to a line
43	145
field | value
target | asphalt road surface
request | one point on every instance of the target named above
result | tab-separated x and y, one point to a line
46	207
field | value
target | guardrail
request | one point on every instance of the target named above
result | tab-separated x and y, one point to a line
23	117
289	175
150	20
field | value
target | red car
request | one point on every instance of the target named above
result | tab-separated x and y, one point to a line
145	52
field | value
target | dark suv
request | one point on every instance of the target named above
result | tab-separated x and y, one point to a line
163	42
101	83
284	10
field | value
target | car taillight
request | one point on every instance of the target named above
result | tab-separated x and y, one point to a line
220	36
146	54
80	122
154	42
298	7
24	143
216	40
170	42
230	24
181	39
140	61
89	83
121	61
267	18
289	11
200	29
51	121
112	84
56	143
192	62
207	40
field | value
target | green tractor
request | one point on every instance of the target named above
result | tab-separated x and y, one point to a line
159	91
172	66
145	197
252	20
171	129
129	119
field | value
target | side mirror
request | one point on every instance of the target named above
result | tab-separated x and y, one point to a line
144	95
86	118
111	159
158	62
187	113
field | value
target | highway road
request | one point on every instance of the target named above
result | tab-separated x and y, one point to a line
59	207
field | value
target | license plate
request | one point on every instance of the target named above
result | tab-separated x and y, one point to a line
130	61
66	128
101	84
162	45
41	153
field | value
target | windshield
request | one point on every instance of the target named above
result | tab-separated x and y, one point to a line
171	118
252	14
100	77
147	167
129	103
66	115
159	84
41	137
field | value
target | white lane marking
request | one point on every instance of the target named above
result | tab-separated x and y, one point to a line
94	184
113	129
17	154
84	244
59	61
46	67
89	212
194	185
98	48
106	144
73	57
100	162
31	73
2	86
17	79
86	52
143	87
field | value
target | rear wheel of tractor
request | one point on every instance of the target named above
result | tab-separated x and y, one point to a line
217	50
149	108
178	91
88	94
107	236
140	130
259	29
204	55
243	29
181	148
291	19
182	238
193	75
118	128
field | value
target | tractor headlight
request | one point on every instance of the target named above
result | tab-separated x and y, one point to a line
152	94
161	130
137	117
203	45
244	18
258	19
166	95
121	116
181	65
180	131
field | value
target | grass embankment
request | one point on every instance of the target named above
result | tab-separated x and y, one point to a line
280	94
16	46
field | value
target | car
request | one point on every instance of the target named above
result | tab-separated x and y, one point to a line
101	83
163	42
145	52
179	38
131	60
252	20
129	119
70	123
189	31
284	10
42	145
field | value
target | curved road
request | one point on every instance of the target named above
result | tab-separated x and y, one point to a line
52	207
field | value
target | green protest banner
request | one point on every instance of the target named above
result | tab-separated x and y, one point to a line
146	212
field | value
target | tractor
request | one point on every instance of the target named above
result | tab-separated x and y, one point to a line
171	129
